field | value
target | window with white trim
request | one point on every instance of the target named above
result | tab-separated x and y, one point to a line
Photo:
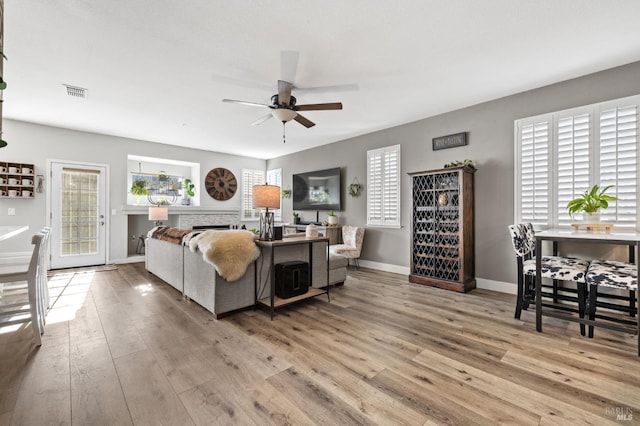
561	155
274	177
250	178
383	186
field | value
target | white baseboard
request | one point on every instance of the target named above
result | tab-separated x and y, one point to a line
499	286
130	259
387	267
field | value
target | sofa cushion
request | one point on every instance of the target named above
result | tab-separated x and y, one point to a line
337	261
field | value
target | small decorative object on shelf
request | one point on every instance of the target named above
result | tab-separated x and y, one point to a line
464	163
355	188
189	191
311	231
296	217
139	188
590	203
332	220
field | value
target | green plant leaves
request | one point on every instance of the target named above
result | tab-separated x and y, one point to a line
591	201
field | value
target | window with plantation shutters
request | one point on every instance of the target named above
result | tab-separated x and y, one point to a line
274	177
561	155
383	186
249	179
572	171
619	162
534	172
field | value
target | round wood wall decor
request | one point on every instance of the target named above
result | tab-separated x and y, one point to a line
220	184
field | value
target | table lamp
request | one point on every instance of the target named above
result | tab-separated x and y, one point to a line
158	214
266	197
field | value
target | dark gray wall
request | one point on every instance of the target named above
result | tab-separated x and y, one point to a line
490	144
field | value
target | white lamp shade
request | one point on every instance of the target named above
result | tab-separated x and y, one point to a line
158	213
266	196
284	114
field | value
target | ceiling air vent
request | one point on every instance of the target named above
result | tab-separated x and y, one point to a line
76	92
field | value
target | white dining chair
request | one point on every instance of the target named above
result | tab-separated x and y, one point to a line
16	277
19	307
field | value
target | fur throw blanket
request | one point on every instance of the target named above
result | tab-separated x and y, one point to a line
230	252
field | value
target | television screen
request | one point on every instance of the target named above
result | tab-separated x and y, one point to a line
319	190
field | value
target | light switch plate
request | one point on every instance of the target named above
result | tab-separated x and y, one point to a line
11	211
113	212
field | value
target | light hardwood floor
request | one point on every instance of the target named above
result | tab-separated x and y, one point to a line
122	347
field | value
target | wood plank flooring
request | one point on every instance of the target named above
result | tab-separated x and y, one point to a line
122	347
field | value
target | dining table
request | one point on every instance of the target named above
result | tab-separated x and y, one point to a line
8	231
629	238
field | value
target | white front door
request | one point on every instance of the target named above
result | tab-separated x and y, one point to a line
78	215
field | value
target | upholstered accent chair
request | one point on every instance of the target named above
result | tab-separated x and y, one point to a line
616	275
556	268
352	238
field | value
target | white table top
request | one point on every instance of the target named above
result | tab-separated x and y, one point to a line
11	231
551	234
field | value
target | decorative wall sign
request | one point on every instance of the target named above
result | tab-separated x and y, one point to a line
450	141
220	184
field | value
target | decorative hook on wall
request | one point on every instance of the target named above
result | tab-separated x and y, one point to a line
355	188
40	184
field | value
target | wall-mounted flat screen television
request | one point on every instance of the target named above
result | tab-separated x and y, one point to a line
319	190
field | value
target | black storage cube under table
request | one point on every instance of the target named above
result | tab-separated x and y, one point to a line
292	279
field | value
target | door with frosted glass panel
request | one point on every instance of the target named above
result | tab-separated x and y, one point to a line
78	215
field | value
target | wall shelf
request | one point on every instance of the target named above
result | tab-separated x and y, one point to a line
17	180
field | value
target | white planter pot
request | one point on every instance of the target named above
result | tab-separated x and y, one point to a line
332	220
592	218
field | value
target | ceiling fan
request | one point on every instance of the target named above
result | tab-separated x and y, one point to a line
283	106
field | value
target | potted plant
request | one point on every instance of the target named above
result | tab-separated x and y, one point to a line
590	203
138	188
333	219
189	191
296	218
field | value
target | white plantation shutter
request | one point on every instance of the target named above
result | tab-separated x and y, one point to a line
383	186
619	163
534	173
274	177
563	154
572	172
249	179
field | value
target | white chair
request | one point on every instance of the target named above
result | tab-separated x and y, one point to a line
352	237
22	308
17	276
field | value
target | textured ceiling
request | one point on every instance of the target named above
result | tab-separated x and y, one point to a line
157	70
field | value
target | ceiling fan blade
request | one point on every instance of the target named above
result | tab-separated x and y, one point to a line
244	103
304	121
289	64
327	89
318	107
262	119
284	92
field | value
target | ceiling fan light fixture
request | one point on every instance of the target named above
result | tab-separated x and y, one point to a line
284	114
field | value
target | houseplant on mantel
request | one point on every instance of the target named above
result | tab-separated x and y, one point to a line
590	203
138	188
188	192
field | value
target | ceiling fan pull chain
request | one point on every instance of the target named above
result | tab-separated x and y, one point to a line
283	138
